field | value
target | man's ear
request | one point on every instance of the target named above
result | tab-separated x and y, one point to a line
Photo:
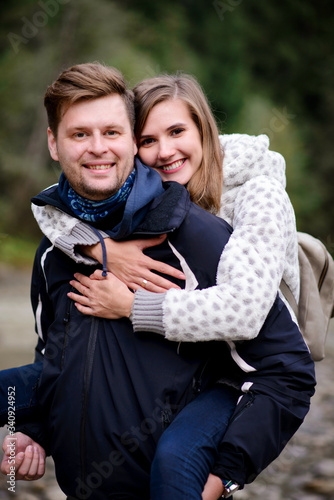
52	143
135	147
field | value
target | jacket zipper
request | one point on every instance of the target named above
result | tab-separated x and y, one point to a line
66	322
153	233
86	382
249	403
197	382
165	418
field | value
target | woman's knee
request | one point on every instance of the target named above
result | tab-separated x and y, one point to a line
168	455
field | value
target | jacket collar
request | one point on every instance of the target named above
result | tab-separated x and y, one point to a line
152	207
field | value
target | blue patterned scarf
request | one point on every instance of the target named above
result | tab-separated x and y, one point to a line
89	210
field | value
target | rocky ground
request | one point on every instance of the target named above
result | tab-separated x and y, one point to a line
304	471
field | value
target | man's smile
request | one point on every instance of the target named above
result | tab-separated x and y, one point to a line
104	166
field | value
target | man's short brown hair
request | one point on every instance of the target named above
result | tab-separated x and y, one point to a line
85	82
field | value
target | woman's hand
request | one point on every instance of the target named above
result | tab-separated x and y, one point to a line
126	260
105	297
21	452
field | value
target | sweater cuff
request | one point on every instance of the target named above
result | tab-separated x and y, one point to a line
81	234
147	312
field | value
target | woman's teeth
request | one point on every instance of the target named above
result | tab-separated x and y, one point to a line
173	166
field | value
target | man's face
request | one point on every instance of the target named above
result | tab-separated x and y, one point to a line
95	146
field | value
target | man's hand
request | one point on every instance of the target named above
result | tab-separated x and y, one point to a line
21	452
213	489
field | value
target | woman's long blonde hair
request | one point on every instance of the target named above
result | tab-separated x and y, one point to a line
205	186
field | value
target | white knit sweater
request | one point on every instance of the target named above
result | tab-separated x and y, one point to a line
262	249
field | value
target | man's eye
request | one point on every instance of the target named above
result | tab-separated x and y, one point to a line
80	135
111	132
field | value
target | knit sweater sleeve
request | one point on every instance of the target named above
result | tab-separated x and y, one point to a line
65	232
249	273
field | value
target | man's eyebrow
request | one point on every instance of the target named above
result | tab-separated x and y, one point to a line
171	127
85	127
115	125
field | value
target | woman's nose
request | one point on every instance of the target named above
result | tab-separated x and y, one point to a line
166	150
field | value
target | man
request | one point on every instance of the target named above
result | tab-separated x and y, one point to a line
108	393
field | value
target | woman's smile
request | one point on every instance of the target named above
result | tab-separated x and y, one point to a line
173	167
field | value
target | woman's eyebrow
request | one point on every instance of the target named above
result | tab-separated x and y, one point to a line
175	125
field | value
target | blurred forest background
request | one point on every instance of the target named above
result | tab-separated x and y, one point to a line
266	67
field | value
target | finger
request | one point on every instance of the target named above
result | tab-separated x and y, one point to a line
41	466
150	287
162	268
84	309
81	278
23	469
97	275
79	287
81	299
155	283
34	465
7	463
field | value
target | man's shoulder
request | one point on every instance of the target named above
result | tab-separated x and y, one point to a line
202	236
50	196
208	221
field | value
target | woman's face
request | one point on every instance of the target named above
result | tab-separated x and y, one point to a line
170	142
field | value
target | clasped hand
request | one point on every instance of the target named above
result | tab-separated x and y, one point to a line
24	456
129	269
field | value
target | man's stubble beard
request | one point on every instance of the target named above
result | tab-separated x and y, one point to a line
93	194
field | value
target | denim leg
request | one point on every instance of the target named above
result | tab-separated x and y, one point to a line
186	451
22	383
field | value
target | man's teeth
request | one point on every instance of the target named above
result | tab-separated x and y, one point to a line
99	167
177	164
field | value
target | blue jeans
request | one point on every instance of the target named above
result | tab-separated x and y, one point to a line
20	383
187	449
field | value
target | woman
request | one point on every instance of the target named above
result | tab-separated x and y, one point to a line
172	117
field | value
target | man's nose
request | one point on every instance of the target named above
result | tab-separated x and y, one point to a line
98	144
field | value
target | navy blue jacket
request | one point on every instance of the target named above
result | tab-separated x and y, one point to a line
108	393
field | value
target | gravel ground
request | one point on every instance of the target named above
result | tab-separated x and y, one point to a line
304	471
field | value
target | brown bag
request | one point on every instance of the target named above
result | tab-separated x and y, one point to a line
316	300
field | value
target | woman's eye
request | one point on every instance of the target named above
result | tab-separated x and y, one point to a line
146	142
177	131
